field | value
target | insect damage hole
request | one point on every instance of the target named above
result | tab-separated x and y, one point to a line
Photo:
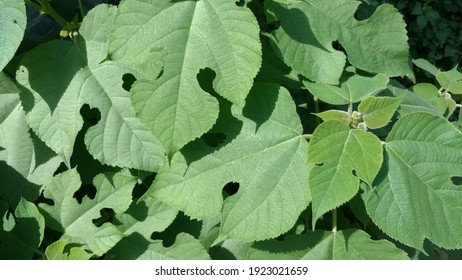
457	180
128	81
230	189
106	215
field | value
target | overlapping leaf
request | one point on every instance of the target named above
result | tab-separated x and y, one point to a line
343	157
416	197
309	29
58	251
377	111
25	162
266	157
191	35
324	245
75	220
79	77
26	233
12	27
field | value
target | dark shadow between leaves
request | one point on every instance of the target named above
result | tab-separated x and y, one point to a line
291	244
129	248
13	186
265	100
364	11
182	223
27	238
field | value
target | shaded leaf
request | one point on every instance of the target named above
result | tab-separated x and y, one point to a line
309	29
22	241
135	247
450	80
324	245
57	251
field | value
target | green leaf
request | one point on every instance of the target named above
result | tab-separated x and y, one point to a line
342	158
119	139
450	80
264	152
22	241
323	245
192	35
415	197
75	220
25	162
337	115
12	26
426	65
430	93
58	251
135	247
377	111
309	29
353	90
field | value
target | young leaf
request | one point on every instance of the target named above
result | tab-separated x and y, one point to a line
309	28
75	220
323	245
353	90
24	238
450	80
119	139
193	35
429	93
135	247
342	158
337	115
12	26
415	197
266	157
426	65
377	111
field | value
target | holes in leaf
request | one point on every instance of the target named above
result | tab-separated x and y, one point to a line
214	139
107	214
128	80
230	189
337	46
319	164
240	3
14	21
85	190
161	72
364	11
353	172
90	115
205	79
457	180
45	200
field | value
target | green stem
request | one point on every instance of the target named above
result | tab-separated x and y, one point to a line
45	7
316	110
307	136
334	221
81	8
350	108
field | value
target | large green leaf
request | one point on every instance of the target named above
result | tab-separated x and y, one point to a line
25	162
80	76
310	27
23	239
75	220
323	245
415	197
264	152
191	35
136	247
12	26
342	157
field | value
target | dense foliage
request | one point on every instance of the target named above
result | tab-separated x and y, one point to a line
216	129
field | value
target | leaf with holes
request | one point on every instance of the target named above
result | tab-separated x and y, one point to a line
309	29
192	35
324	245
343	157
76	220
264	152
12	26
415	197
119	139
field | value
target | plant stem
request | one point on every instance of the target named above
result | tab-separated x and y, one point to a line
307	136
316	110
334	221
45	7
81	8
